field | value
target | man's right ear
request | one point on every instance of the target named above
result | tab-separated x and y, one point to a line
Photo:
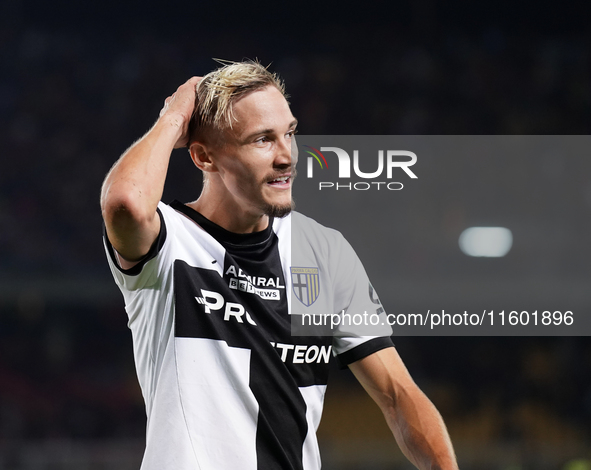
201	156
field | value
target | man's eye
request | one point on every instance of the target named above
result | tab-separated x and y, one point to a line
262	139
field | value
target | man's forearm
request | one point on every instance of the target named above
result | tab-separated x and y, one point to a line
415	422
420	431
136	181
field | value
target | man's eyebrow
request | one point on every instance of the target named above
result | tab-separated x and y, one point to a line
293	124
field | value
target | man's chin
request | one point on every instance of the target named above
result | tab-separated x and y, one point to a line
279	211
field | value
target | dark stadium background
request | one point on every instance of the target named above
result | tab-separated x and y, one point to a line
80	81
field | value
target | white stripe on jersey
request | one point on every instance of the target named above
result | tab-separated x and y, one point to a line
312	395
220	409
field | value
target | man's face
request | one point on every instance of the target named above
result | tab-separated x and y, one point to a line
255	163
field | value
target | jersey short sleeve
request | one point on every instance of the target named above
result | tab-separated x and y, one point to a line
144	273
330	282
363	328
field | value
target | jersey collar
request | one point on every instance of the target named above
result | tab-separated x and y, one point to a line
220	233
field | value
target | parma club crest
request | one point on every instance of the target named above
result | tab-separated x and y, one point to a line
306	284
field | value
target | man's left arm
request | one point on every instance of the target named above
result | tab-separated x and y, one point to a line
415	422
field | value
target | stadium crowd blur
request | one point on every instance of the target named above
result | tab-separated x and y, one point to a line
72	99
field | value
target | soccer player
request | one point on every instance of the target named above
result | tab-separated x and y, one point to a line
207	290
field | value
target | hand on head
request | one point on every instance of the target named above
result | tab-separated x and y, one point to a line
179	108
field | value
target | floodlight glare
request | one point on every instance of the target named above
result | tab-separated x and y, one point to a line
490	242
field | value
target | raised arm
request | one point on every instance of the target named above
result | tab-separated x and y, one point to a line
132	189
416	424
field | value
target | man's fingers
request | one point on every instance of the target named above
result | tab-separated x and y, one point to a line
183	99
190	87
194	80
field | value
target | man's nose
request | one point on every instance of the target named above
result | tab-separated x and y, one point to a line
283	156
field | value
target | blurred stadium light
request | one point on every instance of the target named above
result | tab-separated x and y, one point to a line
489	242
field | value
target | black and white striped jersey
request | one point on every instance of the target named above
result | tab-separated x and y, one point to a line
226	384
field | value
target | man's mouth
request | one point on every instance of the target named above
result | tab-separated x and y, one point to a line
281	181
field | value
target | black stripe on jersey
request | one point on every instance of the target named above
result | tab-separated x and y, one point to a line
154	249
363	350
282	425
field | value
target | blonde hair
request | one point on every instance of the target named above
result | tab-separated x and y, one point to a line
220	89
